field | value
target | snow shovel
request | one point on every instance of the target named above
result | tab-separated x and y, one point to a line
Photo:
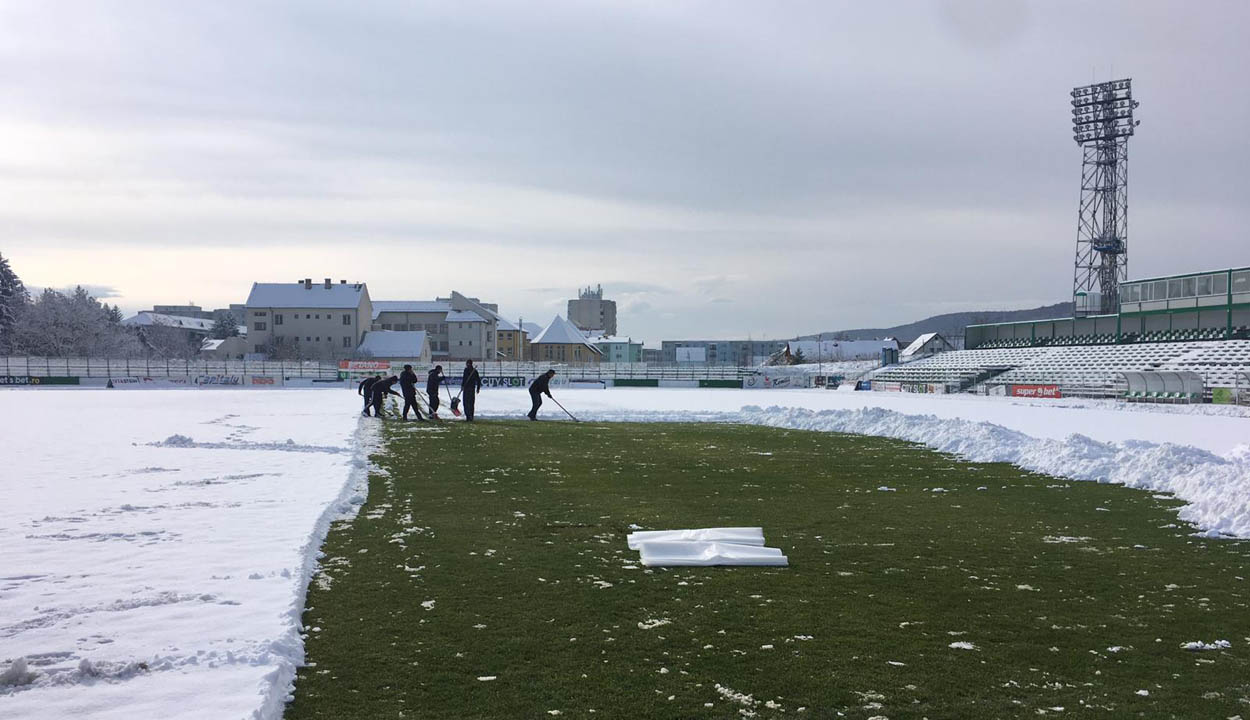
455	403
566	412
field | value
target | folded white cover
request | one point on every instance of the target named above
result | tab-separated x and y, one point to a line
692	553
736	535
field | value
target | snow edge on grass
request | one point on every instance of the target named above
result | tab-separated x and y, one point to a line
289	647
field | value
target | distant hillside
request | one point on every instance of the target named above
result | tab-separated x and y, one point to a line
950	324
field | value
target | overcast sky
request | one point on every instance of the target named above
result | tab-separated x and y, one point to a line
724	169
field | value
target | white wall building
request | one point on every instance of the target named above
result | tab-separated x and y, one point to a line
323	321
396	346
459	327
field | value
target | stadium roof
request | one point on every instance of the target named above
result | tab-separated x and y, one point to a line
562	332
406	344
297	295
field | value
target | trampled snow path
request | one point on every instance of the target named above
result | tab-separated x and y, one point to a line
165	580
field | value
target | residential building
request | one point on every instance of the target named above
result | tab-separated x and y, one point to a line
396	346
590	313
740	353
324	321
512	341
618	350
147	318
459	327
653	355
816	351
231	348
188	310
561	342
926	345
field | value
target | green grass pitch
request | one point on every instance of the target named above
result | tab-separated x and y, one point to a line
487	576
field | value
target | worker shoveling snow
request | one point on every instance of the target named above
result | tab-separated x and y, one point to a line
705	547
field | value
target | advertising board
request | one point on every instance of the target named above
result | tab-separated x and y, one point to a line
1035	391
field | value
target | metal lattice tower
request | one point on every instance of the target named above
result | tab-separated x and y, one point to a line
1102	123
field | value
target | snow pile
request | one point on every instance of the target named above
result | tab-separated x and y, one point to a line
1216	489
705	547
1199	646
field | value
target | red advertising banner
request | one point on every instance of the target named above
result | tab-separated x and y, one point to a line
364	365
1035	391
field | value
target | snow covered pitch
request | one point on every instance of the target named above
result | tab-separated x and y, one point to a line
155	545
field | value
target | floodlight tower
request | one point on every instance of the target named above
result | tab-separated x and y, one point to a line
1102	123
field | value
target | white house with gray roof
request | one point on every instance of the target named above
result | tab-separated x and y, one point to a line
459	327
322	321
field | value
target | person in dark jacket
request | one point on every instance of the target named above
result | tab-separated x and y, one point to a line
365	388
470	385
408	384
381	389
432	381
540	386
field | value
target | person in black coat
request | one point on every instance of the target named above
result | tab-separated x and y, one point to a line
470	385
541	386
432	381
365	388
408	383
381	389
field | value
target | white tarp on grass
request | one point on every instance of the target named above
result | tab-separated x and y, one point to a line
658	554
736	535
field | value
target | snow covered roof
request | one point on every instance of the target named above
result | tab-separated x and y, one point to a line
532	328
464	316
147	317
410	306
919	343
296	295
505	324
562	332
407	344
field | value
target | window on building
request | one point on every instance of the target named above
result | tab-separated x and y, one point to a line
442	328
259	313
460	342
1204	285
258	326
307	339
387	326
1241	281
1219	284
259	348
308	316
1160	291
1187	287
347	318
470	343
317	316
277	318
318	338
347	342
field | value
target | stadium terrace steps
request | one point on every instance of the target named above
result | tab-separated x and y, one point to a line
1080	370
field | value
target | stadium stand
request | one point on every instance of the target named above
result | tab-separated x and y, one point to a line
1077	370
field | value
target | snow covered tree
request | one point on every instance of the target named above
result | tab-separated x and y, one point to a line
224	327
77	325
797	358
13	300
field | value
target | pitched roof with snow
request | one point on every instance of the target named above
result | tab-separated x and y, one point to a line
505	325
562	332
410	306
532	328
919	344
296	295
464	316
147	317
406	344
